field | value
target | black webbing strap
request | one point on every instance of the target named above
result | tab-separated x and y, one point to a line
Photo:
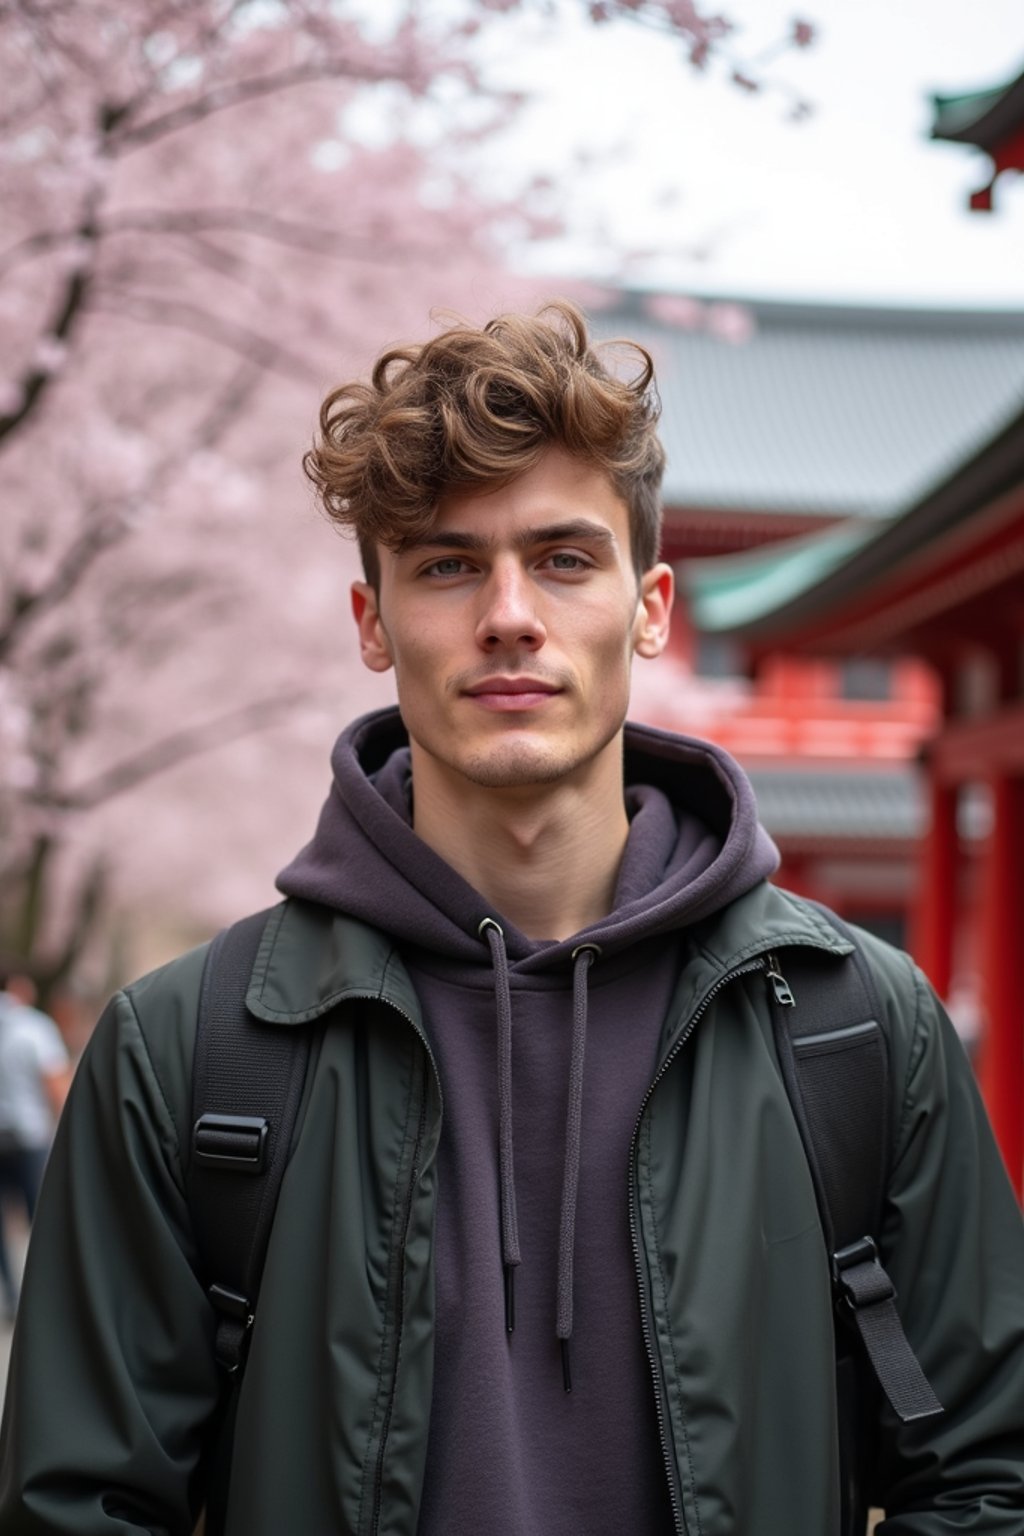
247	1081
835	1063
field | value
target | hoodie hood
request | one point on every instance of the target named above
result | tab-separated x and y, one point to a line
695	844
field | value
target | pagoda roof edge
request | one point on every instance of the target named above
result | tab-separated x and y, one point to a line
982	118
771	595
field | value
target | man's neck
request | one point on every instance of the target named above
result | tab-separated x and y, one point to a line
545	856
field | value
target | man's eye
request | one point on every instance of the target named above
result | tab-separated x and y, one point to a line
564	560
451	566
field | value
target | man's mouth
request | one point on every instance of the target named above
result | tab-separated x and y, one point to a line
512	693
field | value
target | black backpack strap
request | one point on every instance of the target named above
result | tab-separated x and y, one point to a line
247	1083
835	1062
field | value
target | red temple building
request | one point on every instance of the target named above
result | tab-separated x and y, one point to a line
942	582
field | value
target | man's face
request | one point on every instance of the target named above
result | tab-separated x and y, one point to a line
512	626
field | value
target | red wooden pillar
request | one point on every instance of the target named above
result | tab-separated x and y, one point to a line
1001	1061
934	915
793	875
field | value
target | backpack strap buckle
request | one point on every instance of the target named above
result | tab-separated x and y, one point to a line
247	1089
233	1143
861	1280
859	1276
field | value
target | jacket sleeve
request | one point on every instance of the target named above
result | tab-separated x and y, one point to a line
112	1378
954	1245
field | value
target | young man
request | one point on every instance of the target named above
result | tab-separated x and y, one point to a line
546	1257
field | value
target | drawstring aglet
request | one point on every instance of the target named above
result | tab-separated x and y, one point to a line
566	1366
510	1298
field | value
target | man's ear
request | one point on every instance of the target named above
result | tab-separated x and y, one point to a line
374	646
654	611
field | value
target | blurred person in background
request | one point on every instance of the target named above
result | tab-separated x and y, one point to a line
35	1074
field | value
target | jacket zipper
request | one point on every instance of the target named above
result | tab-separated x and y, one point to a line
780	986
385	1429
399	1301
757	964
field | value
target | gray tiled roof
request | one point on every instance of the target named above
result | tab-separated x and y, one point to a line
878	804
826	409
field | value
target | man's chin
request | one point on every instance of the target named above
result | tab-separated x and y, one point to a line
517	765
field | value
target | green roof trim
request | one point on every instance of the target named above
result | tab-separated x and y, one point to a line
955	113
981	118
727	592
762	593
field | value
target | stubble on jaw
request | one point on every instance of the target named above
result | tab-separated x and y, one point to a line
523	765
514	767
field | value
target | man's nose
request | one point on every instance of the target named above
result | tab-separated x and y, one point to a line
509	615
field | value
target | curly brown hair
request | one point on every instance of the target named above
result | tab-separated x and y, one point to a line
474	409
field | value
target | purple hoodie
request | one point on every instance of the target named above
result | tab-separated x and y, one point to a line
545	1051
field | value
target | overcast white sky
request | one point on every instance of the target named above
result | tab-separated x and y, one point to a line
854	203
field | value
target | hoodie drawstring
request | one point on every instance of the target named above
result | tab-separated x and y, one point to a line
583	958
510	1256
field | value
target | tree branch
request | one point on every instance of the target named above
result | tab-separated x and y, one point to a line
317	239
36	380
177	748
704	36
232	95
39	244
255	348
70	308
110	520
216	258
25	606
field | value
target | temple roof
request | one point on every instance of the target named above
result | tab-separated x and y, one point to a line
983	118
880	805
826	410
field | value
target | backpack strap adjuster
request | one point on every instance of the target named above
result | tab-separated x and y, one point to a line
233	1143
235	1318
859	1276
231	1303
871	1296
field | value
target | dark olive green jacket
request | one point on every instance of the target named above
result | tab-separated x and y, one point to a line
113	1384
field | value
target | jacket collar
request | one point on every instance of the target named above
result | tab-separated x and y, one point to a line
761	921
311	958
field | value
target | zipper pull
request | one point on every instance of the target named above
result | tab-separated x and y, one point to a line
779	985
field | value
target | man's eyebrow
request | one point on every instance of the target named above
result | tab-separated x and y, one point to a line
577	529
442	539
